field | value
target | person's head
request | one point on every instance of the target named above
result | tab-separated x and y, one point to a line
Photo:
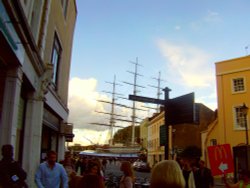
51	157
127	169
201	164
167	173
7	151
93	168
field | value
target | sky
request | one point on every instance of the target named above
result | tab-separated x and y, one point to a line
179	40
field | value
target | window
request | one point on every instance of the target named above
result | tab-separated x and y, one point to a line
238	85
55	58
213	142
240	118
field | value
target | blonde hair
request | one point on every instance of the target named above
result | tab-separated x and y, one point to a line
167	173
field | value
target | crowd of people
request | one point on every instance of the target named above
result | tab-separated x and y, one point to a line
170	173
89	173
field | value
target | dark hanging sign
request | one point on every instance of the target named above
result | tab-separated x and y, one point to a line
146	99
163	135
181	109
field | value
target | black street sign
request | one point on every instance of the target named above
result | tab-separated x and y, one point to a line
177	111
163	135
180	109
146	99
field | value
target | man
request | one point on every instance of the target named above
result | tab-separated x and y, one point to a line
188	173
204	178
11	173
51	174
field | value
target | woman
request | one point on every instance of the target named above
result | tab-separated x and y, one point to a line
127	180
92	178
167	173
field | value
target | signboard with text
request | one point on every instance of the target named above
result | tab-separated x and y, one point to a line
221	159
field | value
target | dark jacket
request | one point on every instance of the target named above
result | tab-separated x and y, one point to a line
203	178
11	174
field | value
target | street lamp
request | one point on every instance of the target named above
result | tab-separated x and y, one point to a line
244	109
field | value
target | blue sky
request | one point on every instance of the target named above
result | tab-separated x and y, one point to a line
181	39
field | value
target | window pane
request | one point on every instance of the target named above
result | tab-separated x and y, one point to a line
55	59
238	84
240	118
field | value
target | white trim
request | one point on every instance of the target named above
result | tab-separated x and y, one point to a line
232	84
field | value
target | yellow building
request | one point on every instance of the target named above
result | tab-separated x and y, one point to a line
180	136
155	151
233	90
144	133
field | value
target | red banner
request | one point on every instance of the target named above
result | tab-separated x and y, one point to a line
221	159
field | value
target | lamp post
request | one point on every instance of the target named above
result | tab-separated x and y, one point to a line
244	112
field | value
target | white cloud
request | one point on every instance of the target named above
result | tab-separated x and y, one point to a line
189	63
82	104
177	27
190	68
212	16
89	137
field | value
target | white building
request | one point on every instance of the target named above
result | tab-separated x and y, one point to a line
35	52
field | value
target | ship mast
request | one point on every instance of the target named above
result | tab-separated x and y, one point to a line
158	87
135	90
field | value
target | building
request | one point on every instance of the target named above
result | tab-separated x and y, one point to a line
155	151
233	85
36	41
144	133
180	135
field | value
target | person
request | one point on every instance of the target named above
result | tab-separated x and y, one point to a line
128	178
93	167
78	164
51	174
203	176
167	173
92	178
68	164
11	173
188	174
91	181
244	181
104	165
83	165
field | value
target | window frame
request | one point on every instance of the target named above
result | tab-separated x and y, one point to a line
240	120
56	47
234	86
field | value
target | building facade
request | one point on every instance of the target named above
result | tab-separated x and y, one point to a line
35	52
233	85
180	135
155	151
144	133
